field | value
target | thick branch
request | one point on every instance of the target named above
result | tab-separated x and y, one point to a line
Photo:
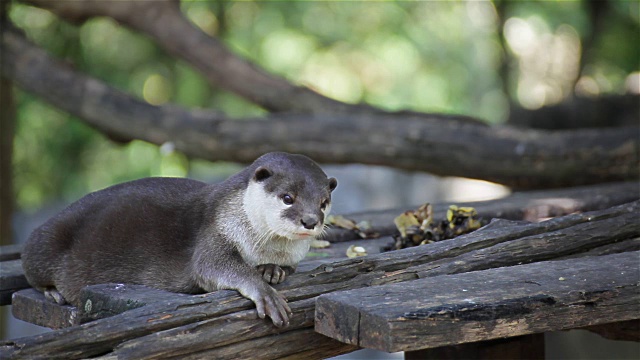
163	21
581	112
442	145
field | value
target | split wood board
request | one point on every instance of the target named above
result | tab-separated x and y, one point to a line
485	305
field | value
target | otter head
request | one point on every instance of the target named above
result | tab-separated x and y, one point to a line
288	196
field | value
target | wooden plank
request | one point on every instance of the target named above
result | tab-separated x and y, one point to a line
485	305
12	279
100	301
240	335
518	347
31	306
574	240
612	248
105	300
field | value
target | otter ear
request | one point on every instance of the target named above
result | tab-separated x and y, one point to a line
333	183
262	173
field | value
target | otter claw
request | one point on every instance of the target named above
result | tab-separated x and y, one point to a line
272	273
273	304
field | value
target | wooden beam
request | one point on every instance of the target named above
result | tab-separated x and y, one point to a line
484	305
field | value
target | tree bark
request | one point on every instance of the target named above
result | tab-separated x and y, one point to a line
581	112
442	145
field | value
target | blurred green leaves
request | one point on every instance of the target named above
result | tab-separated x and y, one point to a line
431	56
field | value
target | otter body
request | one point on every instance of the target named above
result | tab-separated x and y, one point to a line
186	236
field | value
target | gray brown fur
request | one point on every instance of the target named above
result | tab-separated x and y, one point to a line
180	235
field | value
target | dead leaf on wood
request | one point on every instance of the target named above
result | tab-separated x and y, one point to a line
405	221
417	227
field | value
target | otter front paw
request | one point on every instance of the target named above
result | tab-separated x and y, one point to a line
270	302
274	274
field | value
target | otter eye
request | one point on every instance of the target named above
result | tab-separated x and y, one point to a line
287	199
324	204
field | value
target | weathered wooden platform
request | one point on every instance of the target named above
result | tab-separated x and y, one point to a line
474	306
511	271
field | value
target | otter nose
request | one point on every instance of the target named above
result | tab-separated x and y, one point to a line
309	221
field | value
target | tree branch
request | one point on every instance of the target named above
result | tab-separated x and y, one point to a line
580	112
163	21
442	145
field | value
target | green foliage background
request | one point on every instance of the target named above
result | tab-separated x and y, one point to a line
433	56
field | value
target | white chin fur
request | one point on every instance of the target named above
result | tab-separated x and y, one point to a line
274	240
264	209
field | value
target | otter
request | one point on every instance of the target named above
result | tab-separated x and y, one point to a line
246	233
